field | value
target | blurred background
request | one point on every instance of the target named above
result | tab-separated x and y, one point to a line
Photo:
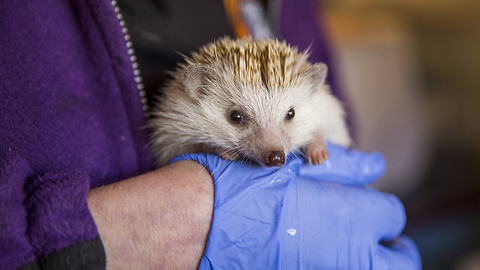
411	73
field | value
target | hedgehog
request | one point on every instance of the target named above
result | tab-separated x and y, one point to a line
256	100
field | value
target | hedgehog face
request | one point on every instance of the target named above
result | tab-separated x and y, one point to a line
257	123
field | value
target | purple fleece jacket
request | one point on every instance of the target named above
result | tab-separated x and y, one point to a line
71	119
71	116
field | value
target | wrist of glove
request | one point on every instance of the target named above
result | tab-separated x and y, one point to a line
305	217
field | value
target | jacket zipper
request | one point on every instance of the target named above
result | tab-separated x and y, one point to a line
133	58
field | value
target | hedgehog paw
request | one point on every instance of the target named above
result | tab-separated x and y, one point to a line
317	153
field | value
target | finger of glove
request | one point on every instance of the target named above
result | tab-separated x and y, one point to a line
386	213
400	253
347	166
381	216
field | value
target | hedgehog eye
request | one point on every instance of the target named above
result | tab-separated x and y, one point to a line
236	117
290	114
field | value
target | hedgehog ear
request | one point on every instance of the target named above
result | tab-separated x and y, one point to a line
316	74
196	77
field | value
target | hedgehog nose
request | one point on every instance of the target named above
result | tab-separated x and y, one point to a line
275	158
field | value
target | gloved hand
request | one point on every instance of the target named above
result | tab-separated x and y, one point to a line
300	217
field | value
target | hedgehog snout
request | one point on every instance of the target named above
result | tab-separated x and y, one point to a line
275	158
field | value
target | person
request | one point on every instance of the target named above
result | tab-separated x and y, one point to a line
71	132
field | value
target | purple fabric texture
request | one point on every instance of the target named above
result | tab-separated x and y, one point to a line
300	23
15	249
58	213
71	119
69	98
52	214
300	26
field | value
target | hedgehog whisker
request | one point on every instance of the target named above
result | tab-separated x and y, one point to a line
237	153
203	168
295	155
302	153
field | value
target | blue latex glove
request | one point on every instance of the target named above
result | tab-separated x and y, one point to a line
300	217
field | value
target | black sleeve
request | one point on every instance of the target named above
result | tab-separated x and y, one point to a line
88	255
